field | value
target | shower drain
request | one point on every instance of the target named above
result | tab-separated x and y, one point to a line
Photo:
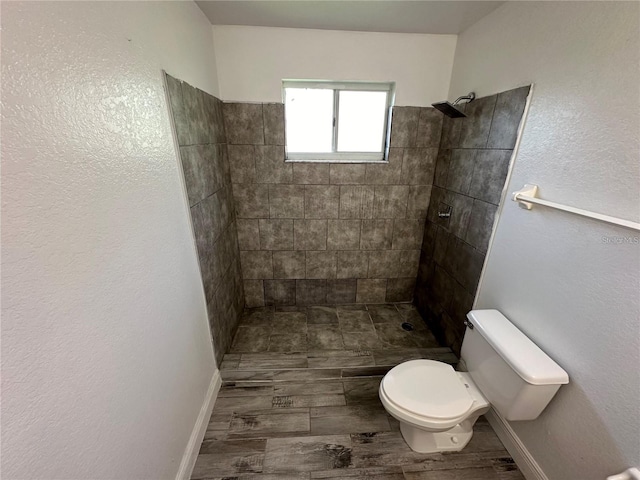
407	326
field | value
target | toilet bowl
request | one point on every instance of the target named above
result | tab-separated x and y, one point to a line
435	405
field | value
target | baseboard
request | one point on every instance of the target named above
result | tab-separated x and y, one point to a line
526	463
199	429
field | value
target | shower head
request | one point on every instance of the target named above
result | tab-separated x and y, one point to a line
449	109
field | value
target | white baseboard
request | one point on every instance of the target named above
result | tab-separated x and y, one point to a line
199	429
526	463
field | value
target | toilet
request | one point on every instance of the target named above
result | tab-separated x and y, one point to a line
437	406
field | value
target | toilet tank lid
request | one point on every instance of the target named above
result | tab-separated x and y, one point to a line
525	357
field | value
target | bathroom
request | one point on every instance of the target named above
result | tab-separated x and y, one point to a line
187	296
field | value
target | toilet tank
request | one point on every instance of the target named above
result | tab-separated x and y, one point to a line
512	372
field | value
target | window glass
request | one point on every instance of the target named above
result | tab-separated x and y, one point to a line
361	121
309	120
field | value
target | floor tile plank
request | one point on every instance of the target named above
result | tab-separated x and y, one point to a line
306	454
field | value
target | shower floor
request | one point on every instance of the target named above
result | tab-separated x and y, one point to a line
299	401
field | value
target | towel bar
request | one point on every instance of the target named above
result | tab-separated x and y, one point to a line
526	197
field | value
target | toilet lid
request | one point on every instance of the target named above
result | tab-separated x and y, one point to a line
427	388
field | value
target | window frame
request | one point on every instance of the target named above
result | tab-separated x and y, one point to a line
336	156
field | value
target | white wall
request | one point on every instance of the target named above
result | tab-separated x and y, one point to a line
550	272
252	61
106	352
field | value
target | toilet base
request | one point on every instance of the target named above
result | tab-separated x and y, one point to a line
423	441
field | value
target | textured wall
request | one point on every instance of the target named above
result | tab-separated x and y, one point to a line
472	165
106	352
199	125
313	233
555	275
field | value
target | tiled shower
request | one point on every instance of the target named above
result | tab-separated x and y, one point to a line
289	235
317	233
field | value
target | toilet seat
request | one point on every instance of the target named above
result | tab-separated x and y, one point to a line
426	392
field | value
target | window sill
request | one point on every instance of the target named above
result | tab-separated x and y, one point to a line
289	160
339	158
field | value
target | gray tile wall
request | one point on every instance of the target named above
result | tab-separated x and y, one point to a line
198	120
471	170
314	233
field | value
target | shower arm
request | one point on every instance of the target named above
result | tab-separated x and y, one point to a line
469	98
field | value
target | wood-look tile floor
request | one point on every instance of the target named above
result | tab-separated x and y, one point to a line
300	401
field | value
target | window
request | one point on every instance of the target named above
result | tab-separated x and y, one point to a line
337	121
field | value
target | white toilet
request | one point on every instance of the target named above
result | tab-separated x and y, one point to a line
438	406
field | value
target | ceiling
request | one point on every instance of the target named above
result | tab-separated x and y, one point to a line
440	17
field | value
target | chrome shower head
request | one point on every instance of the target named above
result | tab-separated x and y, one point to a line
449	109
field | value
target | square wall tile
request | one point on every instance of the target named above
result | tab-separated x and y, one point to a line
371	290
476	126
429	127
199	176
353	264
280	292
442	240
385	173
451	129
376	234
461	206
481	224
407	234
390	201
347	173
506	118
321	201
404	126
343	235
418	166
193	102
418	201
273	118
429	239
468	266
248	234
311	292
221	161
442	167
311	173
400	289
342	291
205	229
276	234
224	199
321	264
356	201
461	303
310	234
256	265
408	266
270	165
461	170
251	201
490	174
442	287
288	264
243	123
254	293
180	120
214	119
384	264
242	161
286	201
